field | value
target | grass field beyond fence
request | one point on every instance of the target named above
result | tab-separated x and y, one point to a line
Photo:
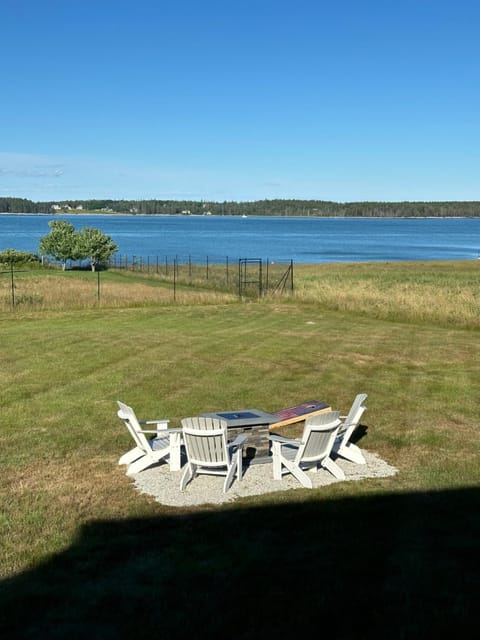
86	556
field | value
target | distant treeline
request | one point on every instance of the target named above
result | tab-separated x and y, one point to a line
314	208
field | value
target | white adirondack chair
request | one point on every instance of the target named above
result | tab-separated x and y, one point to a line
209	452
166	445
342	446
310	452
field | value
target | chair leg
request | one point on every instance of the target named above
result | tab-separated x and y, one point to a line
276	462
230	474
299	474
131	455
334	469
139	465
351	452
239	465
175	446
187	475
302	477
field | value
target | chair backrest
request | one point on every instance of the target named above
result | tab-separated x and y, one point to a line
205	441
356	411
318	436
127	414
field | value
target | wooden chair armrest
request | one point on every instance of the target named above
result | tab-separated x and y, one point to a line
163	432
238	442
276	438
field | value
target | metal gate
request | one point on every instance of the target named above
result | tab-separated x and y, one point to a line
250	277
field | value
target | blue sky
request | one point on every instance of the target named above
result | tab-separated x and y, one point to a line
240	100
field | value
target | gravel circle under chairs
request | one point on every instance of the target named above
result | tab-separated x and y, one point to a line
164	485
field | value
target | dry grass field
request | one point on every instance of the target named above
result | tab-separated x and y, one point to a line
445	293
85	290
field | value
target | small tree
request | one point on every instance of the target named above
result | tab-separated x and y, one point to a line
12	256
61	243
96	246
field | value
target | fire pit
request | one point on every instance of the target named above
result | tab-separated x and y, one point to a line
252	423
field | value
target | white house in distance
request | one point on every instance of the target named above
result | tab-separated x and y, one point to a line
66	207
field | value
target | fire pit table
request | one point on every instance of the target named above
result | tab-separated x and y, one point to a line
252	423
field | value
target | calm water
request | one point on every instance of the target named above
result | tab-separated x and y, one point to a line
276	239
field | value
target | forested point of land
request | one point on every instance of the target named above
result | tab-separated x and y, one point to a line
309	208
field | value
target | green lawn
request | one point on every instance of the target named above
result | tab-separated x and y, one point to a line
85	555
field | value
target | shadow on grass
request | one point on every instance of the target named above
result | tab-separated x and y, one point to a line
382	566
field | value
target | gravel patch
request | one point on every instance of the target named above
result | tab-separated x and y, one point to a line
163	484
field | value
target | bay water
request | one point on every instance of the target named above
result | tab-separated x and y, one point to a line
278	239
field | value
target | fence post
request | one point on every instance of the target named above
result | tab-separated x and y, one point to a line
239	278
13	284
175	279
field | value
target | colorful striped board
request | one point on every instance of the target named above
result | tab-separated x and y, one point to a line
299	412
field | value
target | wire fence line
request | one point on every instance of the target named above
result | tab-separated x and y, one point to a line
248	276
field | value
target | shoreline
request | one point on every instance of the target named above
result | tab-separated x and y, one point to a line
231	215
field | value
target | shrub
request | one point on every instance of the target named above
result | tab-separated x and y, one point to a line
12	256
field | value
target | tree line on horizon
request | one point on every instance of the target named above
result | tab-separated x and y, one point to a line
277	207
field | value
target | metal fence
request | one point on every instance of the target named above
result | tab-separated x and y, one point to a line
249	278
246	276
